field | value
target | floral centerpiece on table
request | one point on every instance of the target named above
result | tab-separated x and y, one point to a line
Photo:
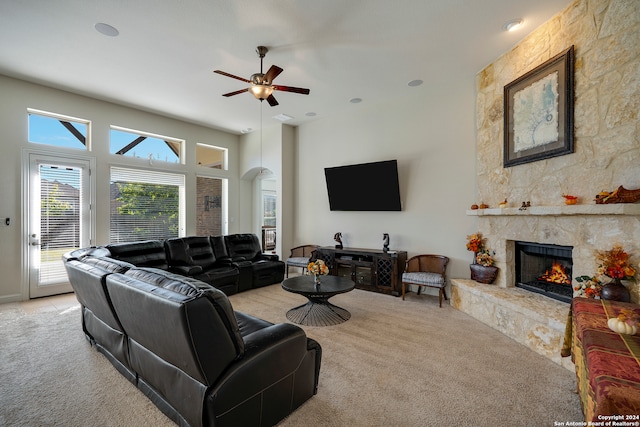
482	254
317	268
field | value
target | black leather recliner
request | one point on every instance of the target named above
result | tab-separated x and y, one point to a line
265	269
194	257
204	364
146	253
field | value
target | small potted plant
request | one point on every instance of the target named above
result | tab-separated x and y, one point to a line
615	265
483	269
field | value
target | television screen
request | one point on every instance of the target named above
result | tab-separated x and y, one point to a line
364	187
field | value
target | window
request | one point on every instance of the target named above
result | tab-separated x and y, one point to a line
269	209
130	143
146	205
211	157
57	130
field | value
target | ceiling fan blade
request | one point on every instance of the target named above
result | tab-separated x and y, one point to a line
273	72
236	92
224	73
272	100
299	90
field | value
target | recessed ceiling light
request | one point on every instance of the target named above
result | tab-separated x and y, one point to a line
106	29
513	25
247	130
282	117
414	83
310	114
355	100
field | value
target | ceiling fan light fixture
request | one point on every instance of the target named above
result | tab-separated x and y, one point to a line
261	92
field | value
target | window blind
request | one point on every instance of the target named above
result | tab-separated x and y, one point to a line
146	205
59	219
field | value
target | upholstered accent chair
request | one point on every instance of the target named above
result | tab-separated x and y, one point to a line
300	257
426	270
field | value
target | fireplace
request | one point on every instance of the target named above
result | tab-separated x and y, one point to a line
544	269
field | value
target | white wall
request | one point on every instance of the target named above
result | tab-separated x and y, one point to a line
432	135
17	96
271	150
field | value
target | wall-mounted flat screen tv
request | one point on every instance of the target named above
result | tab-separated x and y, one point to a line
364	187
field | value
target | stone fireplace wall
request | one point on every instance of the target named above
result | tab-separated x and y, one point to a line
606	36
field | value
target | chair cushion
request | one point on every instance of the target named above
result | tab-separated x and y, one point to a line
298	261
421	278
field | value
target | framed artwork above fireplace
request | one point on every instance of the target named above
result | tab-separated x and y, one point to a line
538	112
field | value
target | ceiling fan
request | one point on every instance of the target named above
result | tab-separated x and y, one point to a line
262	86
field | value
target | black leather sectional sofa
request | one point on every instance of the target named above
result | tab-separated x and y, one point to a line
232	263
178	339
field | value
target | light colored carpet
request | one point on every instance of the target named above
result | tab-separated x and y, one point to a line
394	363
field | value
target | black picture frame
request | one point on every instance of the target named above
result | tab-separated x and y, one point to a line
538	121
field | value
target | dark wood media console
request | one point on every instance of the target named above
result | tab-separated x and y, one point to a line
370	269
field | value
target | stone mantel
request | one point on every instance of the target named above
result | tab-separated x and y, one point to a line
603	209
587	228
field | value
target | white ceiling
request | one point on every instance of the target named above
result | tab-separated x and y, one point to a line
163	58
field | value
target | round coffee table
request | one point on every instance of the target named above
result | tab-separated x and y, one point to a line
318	311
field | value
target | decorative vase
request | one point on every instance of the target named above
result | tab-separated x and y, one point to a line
483	274
316	279
615	291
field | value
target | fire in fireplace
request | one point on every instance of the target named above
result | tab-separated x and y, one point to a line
556	274
545	269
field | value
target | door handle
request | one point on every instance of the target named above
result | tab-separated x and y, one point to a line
34	240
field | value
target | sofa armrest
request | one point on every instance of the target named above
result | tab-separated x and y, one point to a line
224	262
268	257
186	270
241	264
271	354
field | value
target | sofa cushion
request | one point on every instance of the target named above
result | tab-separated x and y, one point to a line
87	281
190	251
243	246
219	248
174	282
192	288
146	253
108	264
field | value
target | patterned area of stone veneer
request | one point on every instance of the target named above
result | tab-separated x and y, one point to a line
606	36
